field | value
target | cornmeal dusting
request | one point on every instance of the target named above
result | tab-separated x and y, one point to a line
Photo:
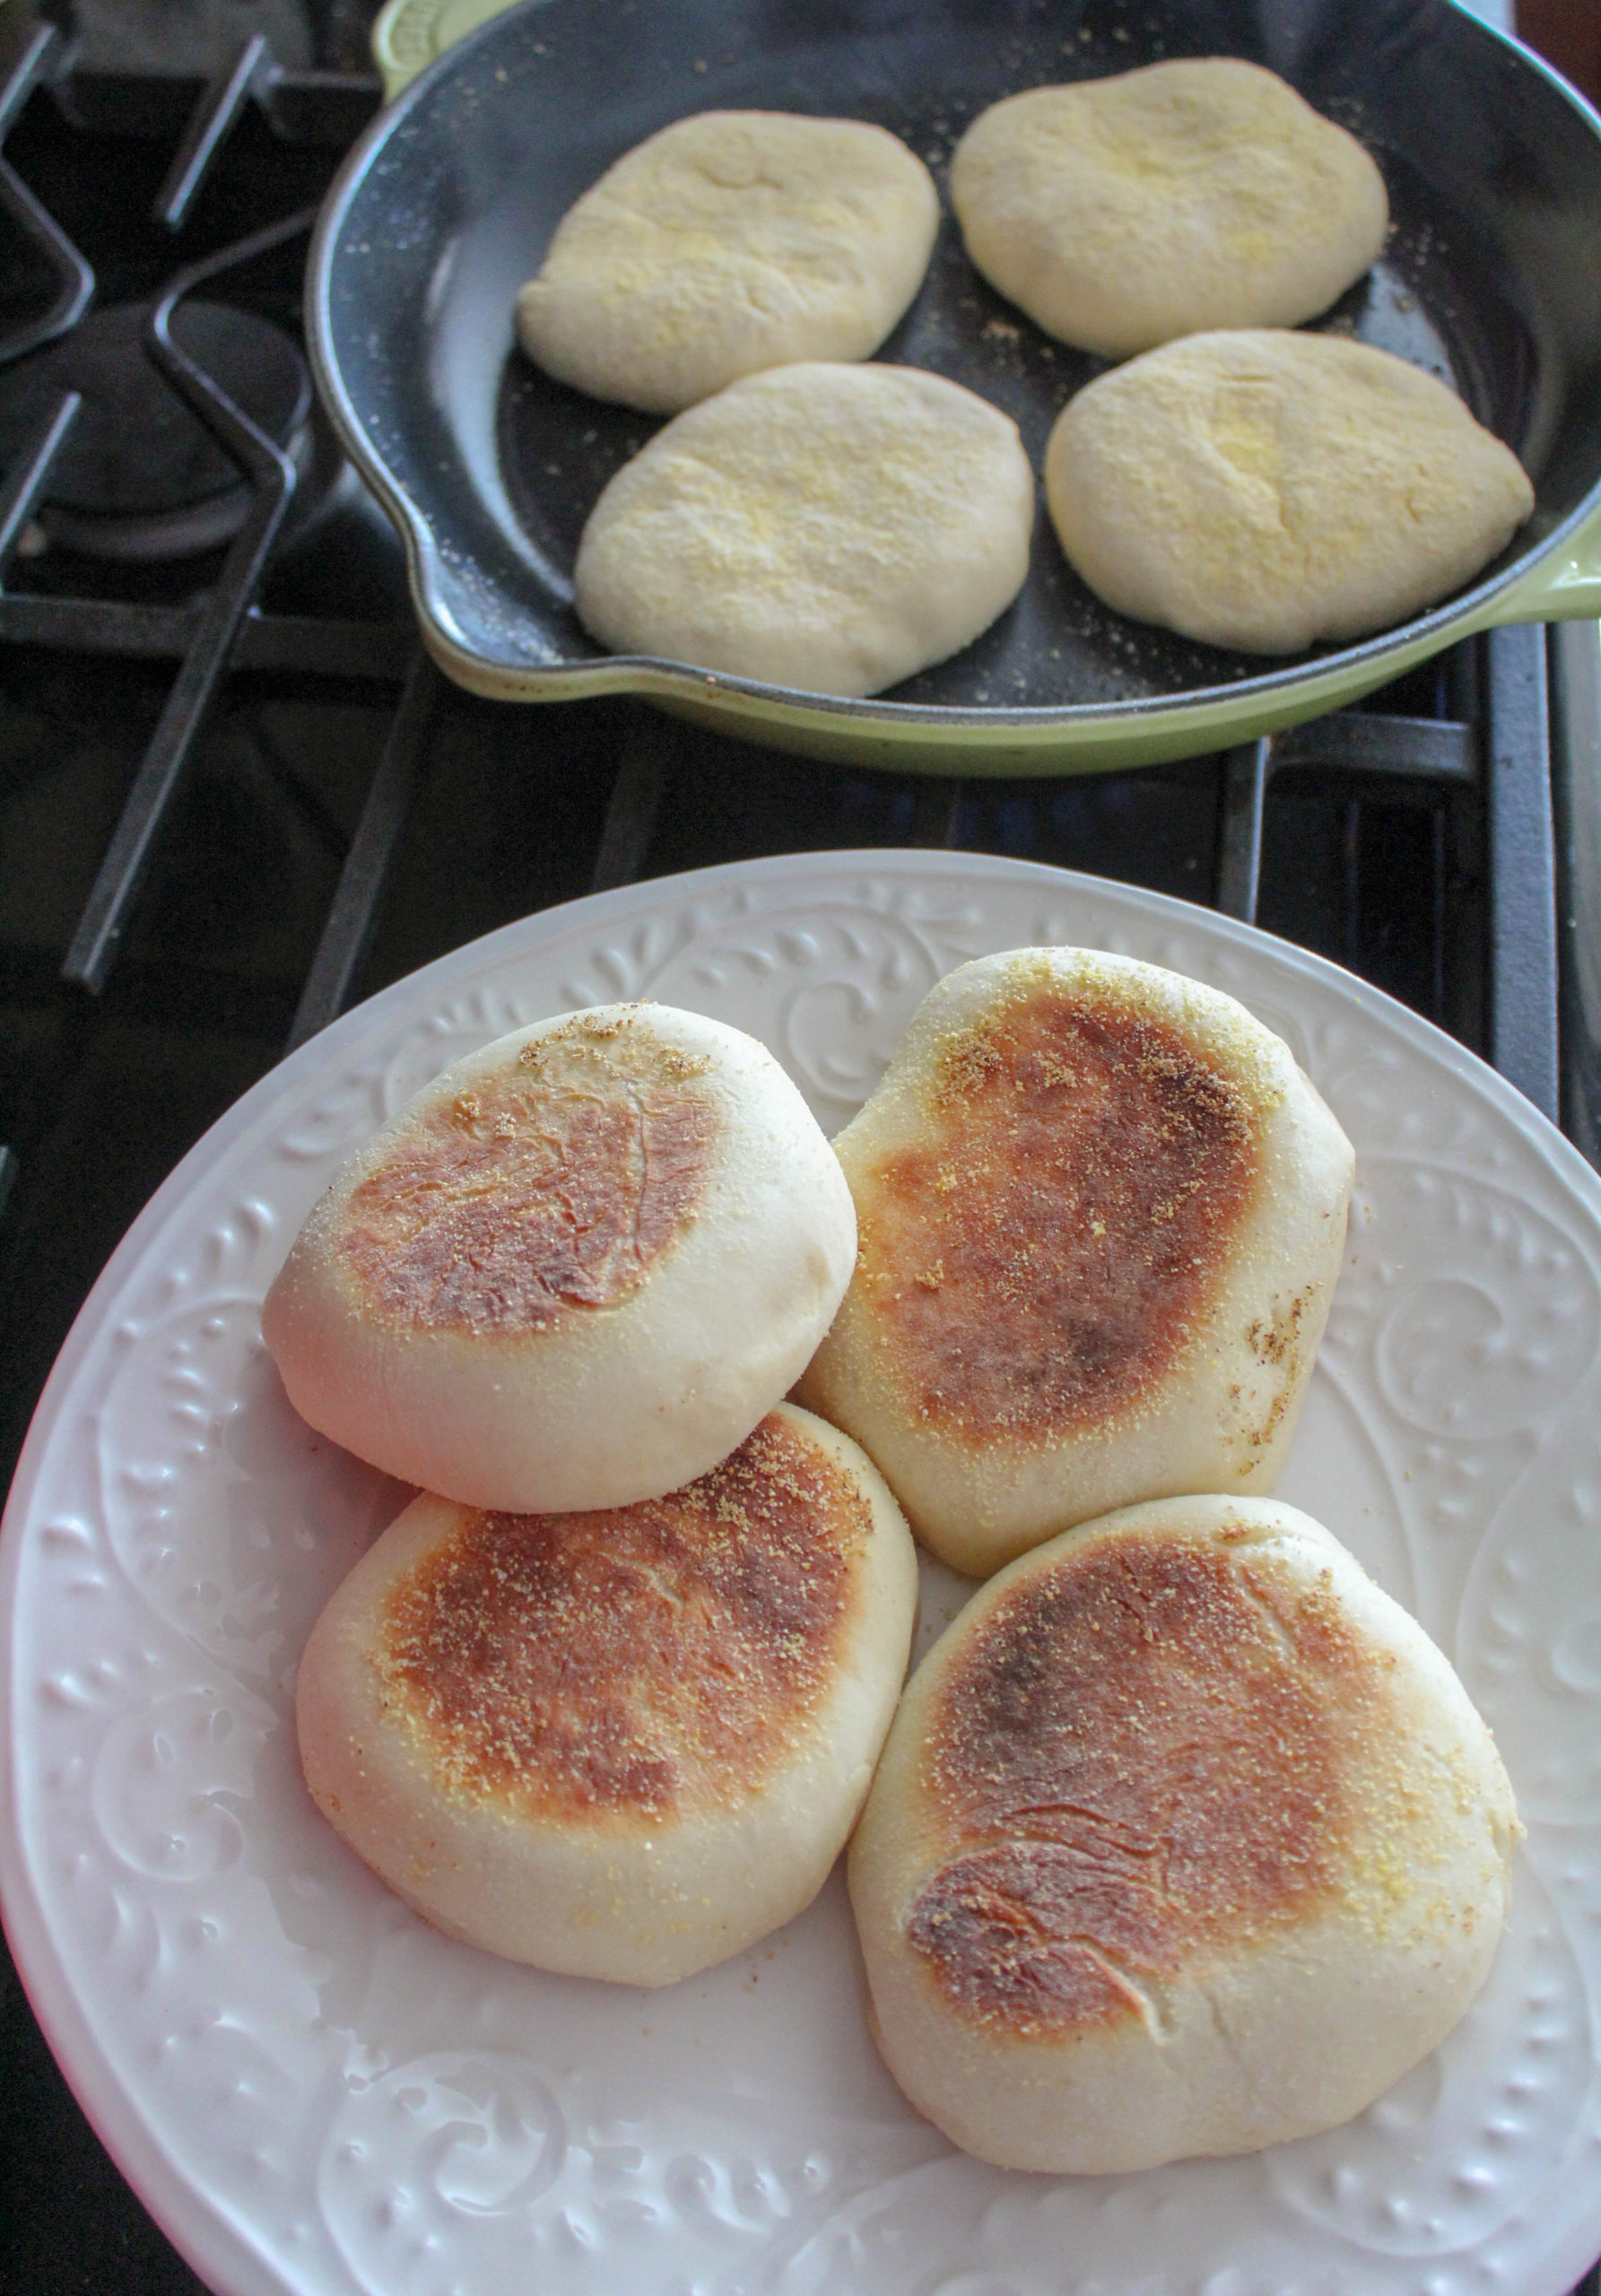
1042	1260
550	1187
1148	1749
634	1660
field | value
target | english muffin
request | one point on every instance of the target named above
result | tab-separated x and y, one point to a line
829	528
729	242
575	1271
1186	1839
1265	490
1189	195
1101	1214
624	1743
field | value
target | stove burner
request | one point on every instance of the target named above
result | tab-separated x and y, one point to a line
140	476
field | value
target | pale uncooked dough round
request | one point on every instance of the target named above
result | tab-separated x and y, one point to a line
622	1745
1187	1840
1264	489
1202	193
831	528
730	242
1102	1214
574	1271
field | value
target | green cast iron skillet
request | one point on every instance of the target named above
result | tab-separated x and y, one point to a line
1491	278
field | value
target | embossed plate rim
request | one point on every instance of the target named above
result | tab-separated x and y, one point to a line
219	2245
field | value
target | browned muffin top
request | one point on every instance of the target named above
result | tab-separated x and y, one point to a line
1037	1263
632	1661
551	1186
1148	1751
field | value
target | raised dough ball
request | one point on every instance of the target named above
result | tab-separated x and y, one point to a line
622	1744
730	242
574	1271
1202	193
1101	1214
1186	1840
1265	490
829	528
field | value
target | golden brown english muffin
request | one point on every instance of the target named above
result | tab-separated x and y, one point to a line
1101	1216
624	1743
1186	1839
574	1271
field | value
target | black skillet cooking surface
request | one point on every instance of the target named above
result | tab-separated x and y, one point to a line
1491	277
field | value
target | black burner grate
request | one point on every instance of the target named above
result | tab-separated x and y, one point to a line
235	796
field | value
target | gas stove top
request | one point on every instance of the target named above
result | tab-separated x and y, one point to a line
235	797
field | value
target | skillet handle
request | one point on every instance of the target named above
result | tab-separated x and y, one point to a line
1563	588
408	34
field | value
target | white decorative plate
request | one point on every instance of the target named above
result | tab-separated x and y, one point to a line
315	2093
